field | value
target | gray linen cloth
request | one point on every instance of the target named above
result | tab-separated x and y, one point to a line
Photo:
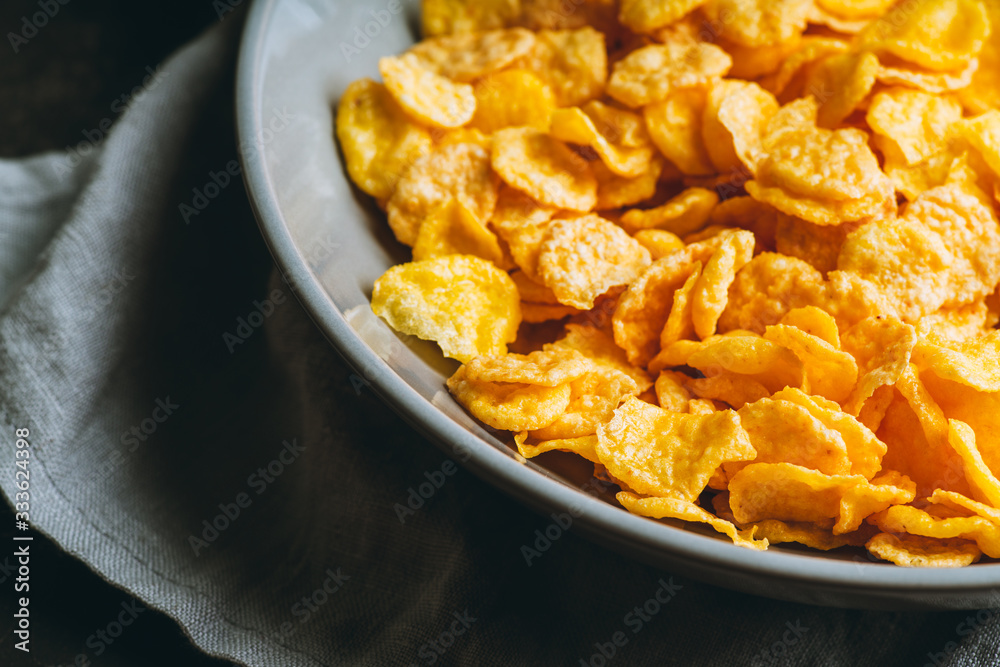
253	491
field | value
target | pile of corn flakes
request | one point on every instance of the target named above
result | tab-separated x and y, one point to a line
745	253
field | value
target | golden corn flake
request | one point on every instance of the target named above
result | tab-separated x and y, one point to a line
814	321
614	191
882	348
938	35
659	242
983	132
574	63
826	371
788	492
680	322
509	406
574	126
921	79
773	365
688	212
917	123
544	168
676	508
864	10
593	400
817	244
736	116
735	390
581	258
521	221
428	97
754	62
789	81
465	57
457	171
981	479
648	15
600	348
463	303
671	392
711	292
663	453
379	140
446	17
823	176
972	362
915	551
914	521
767	288
643	309
651	73
842	82
760	22
546	368
675	127
585	446
453	230
809	534
512	98
983	92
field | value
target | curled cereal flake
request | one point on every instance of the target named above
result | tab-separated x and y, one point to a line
817	244
452	230
895	74
651	73
760	22
915	551
853	10
584	446
456	171
659	242
622	127
972	363
648	15
826	371
675	127
983	132
549	368
815	322
428	97
983	92
573	62
614	191
671	392
686	213
593	400
600	348
509	406
463	303
446	17
864	449
467	56
842	82
882	347
531	291
378	139
980	410
809	534
735	390
915	122
766	288
753	62
512	98
574	126
544	168
950	326
643	309
521	221
782	431
824	176
680	322
669	454
736	116
820	16
581	258
711	292
908	519
773	365
789	492
675	508
938	35
789	81
981	479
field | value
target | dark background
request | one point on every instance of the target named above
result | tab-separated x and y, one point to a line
63	82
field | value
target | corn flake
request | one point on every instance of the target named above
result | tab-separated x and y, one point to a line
676	508
544	168
651	73
512	98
